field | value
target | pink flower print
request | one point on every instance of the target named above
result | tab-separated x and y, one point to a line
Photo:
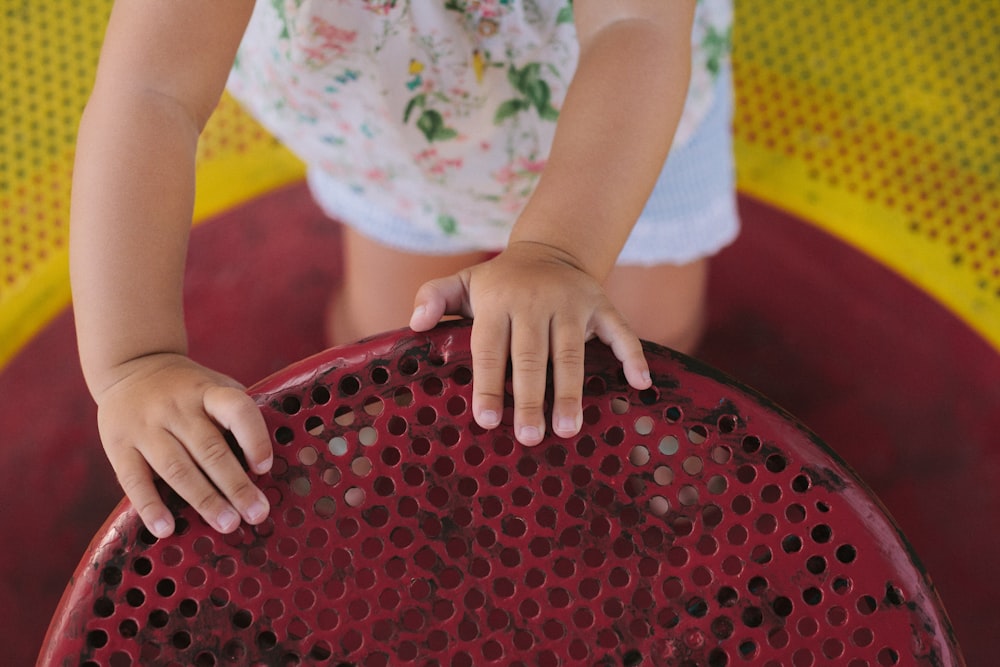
518	180
523	169
426	154
486	8
505	175
432	163
489	13
441	166
326	42
314	55
531	166
332	36
377	175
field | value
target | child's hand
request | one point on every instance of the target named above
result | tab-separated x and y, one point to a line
531	303
165	418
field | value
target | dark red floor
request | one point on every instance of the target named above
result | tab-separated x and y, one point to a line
905	392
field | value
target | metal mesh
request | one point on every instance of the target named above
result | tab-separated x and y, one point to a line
48	59
877	121
688	524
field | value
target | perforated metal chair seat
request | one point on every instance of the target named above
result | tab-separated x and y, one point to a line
693	523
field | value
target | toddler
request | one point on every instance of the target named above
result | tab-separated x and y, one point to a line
503	160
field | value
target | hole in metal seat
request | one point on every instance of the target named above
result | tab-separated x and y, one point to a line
690	524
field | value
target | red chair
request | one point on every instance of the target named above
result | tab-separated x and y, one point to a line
693	523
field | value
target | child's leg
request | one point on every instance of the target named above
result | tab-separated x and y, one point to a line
379	285
664	303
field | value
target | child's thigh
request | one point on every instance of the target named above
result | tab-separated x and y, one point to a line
380	282
663	303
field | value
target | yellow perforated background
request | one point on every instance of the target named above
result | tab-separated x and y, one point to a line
875	120
878	122
48	58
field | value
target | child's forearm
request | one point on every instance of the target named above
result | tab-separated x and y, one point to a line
614	132
132	202
162	69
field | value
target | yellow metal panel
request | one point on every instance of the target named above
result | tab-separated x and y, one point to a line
48	58
879	122
875	120
238	160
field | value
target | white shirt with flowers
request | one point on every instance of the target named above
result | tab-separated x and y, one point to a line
440	112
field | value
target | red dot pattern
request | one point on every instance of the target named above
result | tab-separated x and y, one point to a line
48	60
888	107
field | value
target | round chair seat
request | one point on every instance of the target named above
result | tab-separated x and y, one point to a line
693	523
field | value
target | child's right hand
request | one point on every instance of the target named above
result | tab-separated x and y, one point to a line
165	417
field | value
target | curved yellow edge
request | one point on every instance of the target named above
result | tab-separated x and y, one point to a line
877	122
874	121
47	67
237	162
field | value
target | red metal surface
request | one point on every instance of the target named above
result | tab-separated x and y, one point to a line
689	524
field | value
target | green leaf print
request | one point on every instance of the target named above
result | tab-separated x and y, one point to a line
716	46
448	224
525	77
417	101
432	124
536	93
509	109
565	14
549	113
279	8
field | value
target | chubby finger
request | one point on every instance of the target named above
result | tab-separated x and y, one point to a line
529	357
568	341
209	449
237	413
136	479
612	329
439	297
490	342
172	462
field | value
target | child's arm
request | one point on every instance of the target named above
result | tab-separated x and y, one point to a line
163	67
541	298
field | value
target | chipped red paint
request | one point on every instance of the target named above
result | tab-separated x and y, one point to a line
691	523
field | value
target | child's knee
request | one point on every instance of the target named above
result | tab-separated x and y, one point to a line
664	304
353	314
682	333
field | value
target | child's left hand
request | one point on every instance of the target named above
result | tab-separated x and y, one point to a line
531	303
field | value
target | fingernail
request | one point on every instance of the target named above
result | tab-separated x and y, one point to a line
257	511
530	434
566	425
418	312
489	418
265	465
161	528
646	377
228	519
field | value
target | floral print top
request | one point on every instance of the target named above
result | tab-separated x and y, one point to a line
440	111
